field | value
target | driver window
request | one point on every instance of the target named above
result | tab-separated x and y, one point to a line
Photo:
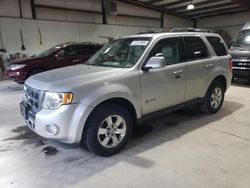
70	51
167	48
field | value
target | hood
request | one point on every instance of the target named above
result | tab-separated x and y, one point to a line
240	52
72	77
25	60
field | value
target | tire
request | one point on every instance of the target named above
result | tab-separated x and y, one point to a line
33	72
214	97
101	136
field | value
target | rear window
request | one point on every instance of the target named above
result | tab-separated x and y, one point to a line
195	48
217	45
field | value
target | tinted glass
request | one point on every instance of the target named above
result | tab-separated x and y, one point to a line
86	50
69	51
167	48
217	45
49	51
243	39
195	48
121	53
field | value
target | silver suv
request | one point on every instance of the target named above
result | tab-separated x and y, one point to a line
132	78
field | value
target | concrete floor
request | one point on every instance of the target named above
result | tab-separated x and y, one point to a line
182	149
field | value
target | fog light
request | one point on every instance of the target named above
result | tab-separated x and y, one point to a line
52	129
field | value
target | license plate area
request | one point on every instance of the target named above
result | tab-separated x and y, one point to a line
28	115
23	110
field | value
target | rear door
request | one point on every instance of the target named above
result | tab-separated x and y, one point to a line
199	66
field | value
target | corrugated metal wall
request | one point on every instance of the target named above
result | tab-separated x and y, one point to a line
232	25
56	32
68	25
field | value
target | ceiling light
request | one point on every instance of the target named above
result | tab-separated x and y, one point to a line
190	6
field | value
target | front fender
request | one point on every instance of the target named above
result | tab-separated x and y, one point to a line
102	94
109	91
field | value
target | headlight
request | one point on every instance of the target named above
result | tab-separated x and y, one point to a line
15	67
53	101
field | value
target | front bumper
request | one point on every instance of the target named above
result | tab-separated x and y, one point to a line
241	73
18	76
69	119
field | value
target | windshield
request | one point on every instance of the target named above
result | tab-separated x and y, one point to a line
49	51
121	53
243	39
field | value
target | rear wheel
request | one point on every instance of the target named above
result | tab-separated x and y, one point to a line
108	129
214	97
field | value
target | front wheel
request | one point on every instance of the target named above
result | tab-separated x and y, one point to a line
107	130
214	98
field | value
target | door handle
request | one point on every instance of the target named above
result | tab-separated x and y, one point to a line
76	60
209	65
178	72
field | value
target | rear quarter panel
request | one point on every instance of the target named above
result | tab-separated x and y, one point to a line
221	68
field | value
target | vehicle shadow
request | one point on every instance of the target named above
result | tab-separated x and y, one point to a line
158	131
173	125
152	133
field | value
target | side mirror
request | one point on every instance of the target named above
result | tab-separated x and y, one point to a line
154	63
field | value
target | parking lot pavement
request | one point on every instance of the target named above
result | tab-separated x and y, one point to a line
182	149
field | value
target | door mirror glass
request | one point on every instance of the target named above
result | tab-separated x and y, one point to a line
155	63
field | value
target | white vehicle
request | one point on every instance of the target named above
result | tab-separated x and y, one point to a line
99	102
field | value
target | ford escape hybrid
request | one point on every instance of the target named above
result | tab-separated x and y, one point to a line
98	103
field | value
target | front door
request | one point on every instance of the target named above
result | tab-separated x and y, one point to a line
164	87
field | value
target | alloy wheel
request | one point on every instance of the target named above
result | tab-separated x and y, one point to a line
112	131
216	97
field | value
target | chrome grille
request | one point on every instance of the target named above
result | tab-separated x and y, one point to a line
33	98
245	64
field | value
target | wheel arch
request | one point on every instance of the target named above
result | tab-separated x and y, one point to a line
220	77
122	101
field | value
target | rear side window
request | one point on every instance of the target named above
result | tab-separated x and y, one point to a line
86	50
217	45
195	48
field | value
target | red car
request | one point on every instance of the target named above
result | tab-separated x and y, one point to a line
62	55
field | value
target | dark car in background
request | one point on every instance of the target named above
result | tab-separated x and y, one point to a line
240	51
61	55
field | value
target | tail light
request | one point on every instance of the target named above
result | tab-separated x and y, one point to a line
230	62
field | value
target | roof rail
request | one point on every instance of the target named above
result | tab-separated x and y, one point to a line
189	30
147	32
